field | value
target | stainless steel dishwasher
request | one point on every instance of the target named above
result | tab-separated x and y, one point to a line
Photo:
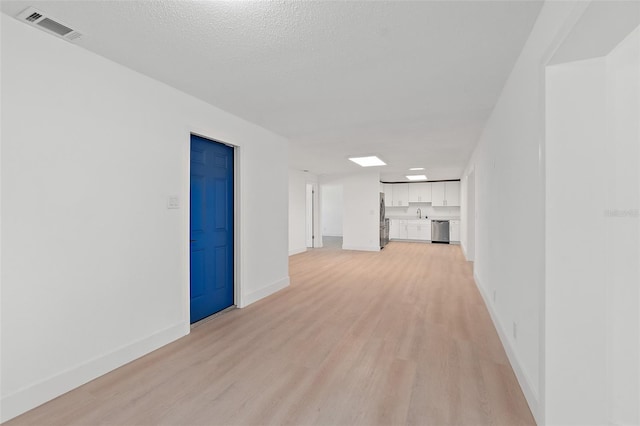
440	231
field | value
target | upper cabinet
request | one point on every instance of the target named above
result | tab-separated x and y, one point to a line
401	195
452	193
445	194
420	192
437	193
388	194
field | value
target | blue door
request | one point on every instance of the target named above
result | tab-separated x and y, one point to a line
211	268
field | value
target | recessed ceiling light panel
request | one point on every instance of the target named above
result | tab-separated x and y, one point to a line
416	168
416	177
368	161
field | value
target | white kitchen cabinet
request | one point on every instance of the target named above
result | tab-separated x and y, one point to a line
424	231
402	230
412	230
420	192
388	194
454	230
419	230
401	195
452	193
393	229
437	194
398	229
445	194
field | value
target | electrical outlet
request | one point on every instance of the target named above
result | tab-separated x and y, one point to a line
173	202
515	330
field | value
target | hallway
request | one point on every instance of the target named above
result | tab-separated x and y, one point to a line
400	336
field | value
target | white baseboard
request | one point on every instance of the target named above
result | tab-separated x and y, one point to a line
332	235
37	394
297	251
525	384
361	248
254	296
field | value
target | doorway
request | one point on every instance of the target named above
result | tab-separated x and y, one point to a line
332	206
211	269
310	220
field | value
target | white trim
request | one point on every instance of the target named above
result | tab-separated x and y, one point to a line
186	226
297	251
254	296
36	394
525	384
361	248
238	208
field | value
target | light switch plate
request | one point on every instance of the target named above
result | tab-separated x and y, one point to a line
173	202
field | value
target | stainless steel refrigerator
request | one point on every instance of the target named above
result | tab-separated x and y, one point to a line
384	223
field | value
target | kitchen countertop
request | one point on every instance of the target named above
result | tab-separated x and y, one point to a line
422	218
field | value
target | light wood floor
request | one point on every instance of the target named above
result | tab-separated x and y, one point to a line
396	337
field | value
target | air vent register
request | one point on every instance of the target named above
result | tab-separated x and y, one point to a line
53	26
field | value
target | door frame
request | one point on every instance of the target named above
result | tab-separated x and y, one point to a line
311	220
237	185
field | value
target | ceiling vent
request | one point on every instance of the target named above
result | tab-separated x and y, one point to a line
37	18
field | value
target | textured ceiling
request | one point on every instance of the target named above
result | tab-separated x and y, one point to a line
412	82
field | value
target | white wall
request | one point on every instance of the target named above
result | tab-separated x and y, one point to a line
332	208
526	226
361	209
593	200
509	187
95	268
575	315
298	209
468	215
622	220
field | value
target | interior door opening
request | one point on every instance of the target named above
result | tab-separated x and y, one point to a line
211	228
310	216
331	214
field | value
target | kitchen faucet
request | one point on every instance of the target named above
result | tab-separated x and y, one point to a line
419	213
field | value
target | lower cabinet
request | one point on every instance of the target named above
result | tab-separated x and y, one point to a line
398	229
403	229
419	230
412	231
393	229
454	230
